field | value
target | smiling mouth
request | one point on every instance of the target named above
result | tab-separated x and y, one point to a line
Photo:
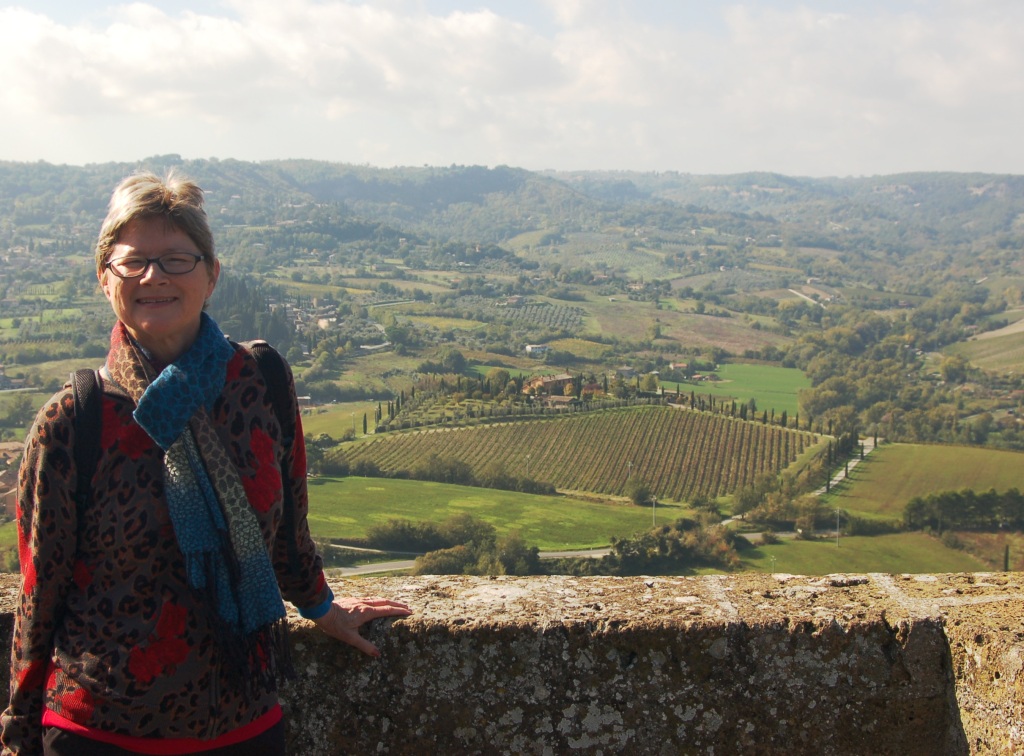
161	300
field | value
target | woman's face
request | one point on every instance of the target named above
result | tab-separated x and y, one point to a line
161	311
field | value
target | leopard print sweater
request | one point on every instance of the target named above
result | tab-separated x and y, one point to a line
108	633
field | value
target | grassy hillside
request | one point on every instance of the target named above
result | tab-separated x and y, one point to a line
1001	351
621	318
893	474
770	386
677	453
905	552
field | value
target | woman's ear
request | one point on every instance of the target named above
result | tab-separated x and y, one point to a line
101	276
214	275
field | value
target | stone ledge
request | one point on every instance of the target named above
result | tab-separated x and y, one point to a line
842	664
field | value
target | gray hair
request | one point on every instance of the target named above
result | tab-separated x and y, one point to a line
178	200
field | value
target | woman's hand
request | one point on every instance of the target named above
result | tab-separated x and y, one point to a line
347	615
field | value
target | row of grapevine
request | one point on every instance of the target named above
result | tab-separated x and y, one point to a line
561	317
678	453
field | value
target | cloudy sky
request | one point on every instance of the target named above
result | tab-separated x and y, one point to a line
812	88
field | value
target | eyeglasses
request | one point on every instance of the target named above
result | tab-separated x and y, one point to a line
175	264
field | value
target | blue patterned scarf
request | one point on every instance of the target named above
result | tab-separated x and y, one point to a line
225	555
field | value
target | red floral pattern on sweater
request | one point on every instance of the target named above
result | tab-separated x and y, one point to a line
262	487
165	649
121	434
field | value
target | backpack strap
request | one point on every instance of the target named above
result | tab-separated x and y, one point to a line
275	374
87	391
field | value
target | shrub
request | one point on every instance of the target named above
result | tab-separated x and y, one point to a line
864	527
951	541
638	492
453	561
336	466
405	535
366	469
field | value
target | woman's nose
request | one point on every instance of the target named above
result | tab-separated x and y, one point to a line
152	273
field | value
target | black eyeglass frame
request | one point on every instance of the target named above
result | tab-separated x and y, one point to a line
109	264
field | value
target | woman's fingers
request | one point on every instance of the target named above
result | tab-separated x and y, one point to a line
347	615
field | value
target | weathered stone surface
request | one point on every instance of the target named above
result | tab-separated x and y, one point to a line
843	664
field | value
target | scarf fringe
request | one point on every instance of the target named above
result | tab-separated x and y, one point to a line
261	660
256	662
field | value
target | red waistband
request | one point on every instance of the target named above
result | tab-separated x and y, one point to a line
167	746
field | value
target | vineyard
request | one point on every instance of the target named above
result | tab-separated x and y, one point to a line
560	317
677	453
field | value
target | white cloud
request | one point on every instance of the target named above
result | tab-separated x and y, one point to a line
775	86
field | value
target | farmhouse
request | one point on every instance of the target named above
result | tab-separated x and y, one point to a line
552	385
536	350
557	401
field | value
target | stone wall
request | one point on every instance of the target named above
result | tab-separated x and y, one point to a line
843	664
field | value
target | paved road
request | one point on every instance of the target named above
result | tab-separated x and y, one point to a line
869	446
407	564
370	569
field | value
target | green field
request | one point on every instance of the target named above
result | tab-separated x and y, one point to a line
347	507
905	552
335	419
588	350
445	324
55	369
890	476
9	534
621	318
771	387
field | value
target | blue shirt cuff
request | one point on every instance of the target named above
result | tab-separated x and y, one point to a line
318	611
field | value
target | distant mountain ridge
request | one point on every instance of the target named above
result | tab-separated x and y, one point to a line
900	214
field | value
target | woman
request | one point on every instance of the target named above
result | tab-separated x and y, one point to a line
151	620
